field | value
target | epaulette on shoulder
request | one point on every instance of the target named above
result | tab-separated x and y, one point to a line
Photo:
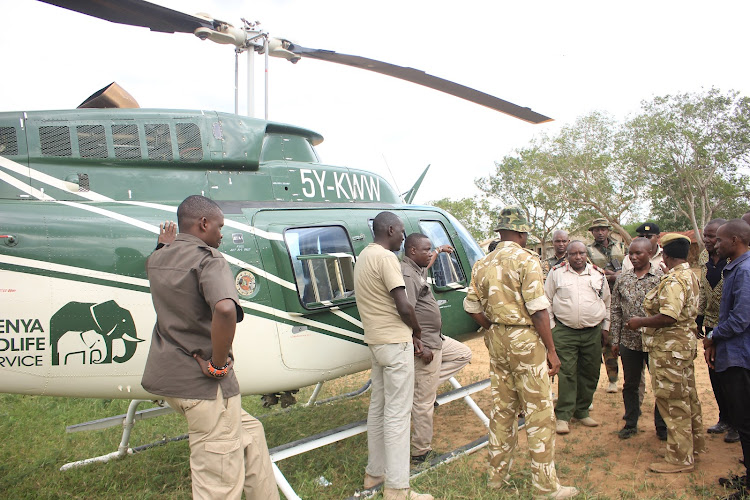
213	251
597	268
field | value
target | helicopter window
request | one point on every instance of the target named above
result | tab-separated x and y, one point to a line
446	271
189	141
323	262
55	140
287	147
158	141
8	141
91	141
126	142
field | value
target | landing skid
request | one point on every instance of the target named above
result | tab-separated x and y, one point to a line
290	449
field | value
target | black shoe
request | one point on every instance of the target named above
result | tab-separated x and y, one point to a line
732	436
661	434
719	428
627	432
735	482
420	459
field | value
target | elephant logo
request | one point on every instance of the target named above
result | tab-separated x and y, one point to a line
92	333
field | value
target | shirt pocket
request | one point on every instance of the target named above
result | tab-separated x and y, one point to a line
565	291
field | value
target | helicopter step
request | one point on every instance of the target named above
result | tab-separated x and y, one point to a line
280	452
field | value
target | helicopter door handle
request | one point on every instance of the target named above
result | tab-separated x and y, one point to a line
9	239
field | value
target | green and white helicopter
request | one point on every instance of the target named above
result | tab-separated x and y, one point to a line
83	192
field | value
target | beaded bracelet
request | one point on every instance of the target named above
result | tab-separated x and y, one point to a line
217	372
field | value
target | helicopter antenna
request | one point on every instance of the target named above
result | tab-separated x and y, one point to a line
392	177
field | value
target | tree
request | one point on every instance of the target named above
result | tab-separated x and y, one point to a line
473	213
519	180
586	170
692	146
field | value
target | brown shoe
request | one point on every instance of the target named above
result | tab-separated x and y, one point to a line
667	468
588	422
372	481
404	494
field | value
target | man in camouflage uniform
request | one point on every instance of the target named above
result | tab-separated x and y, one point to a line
672	347
560	240
607	254
506	298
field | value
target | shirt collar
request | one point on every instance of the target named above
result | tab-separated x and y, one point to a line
586	270
736	262
190	239
413	265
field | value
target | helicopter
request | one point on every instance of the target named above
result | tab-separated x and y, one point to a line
83	192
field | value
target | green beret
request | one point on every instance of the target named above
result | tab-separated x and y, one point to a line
513	219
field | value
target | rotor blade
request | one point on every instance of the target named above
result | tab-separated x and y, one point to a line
136	13
422	78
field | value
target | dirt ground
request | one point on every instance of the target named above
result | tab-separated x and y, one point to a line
595	458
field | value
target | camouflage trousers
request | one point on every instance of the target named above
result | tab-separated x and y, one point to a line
610	362
520	382
673	380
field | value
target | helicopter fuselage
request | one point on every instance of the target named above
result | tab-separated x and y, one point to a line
82	194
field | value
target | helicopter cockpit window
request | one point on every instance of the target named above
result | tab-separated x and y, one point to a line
158	141
287	147
91	141
323	262
8	141
446	271
55	140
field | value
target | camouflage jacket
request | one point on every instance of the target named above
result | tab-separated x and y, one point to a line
709	298
604	256
549	263
676	296
507	285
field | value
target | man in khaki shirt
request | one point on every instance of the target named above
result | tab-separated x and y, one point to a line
393	335
580	300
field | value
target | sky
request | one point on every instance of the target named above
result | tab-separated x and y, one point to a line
562	59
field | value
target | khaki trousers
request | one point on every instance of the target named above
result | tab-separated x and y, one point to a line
427	378
389	417
228	450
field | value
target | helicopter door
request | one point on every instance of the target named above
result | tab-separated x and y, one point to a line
15	175
319	326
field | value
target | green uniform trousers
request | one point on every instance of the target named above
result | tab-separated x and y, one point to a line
520	381
673	381
581	357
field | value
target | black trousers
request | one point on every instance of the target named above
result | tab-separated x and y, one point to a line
632	368
735	382
721	399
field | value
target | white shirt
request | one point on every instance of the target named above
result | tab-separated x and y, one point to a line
578	300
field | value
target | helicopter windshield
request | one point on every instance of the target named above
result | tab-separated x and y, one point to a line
289	148
473	252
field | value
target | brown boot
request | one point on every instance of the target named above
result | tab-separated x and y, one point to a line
404	494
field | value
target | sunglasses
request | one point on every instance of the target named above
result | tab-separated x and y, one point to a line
648	236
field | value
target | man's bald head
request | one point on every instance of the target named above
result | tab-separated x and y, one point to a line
383	221
641	242
738	228
732	239
193	209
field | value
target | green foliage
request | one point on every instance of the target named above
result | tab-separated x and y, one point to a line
692	148
520	180
474	213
